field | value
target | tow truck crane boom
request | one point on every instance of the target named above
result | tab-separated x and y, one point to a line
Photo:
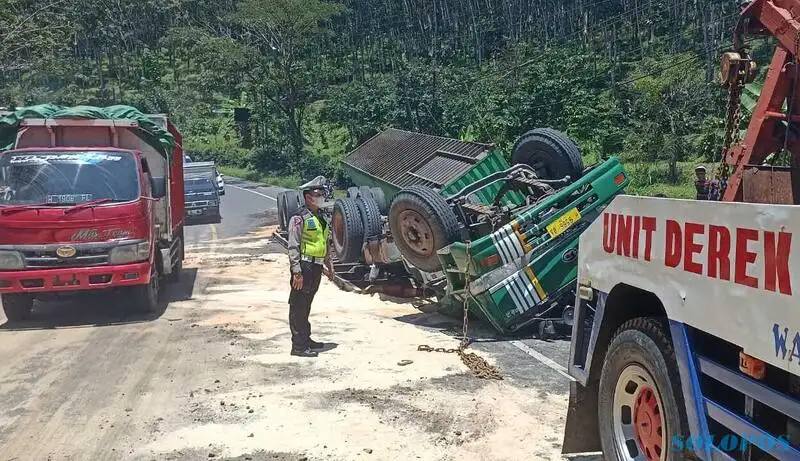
748	180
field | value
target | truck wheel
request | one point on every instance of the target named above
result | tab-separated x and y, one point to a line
17	307
352	192
380	199
348	230
370	217
365	191
641	403
294	201
550	153
146	298
281	202
422	223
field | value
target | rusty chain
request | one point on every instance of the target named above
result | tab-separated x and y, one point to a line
477	364
732	132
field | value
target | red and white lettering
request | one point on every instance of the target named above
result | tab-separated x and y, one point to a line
749	257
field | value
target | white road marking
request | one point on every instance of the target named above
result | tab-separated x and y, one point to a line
540	357
254	192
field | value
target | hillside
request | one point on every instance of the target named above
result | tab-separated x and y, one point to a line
633	78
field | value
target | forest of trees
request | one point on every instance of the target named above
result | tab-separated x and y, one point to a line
633	78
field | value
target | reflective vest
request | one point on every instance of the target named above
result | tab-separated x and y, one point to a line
313	239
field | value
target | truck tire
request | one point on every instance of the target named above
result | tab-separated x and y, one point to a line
365	191
348	230
147	298
551	153
640	401
281	203
380	199
17	307
422	223
294	201
370	218
352	192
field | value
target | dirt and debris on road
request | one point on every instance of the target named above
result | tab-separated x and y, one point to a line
212	378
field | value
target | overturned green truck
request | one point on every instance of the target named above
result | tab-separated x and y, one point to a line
459	221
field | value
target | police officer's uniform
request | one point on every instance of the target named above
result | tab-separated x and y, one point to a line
309	237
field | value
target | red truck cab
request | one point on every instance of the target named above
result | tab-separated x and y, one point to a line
89	205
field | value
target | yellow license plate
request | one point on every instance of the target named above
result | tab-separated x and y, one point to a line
563	223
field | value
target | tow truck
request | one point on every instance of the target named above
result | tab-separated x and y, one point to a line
686	342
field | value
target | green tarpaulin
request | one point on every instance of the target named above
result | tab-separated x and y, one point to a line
150	132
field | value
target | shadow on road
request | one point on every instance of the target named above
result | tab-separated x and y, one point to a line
328	347
479	330
99	309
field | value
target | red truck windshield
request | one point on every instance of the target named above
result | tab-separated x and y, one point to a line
67	177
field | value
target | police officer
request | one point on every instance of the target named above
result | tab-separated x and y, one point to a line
309	240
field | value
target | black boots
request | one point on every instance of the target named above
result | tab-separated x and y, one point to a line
310	351
304	353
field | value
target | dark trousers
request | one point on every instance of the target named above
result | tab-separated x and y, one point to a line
300	305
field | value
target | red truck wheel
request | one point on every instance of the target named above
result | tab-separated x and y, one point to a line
146	298
17	306
641	403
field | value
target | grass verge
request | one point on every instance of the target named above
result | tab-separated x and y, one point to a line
289	182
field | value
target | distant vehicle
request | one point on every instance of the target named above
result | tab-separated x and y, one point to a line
201	198
210	169
187	159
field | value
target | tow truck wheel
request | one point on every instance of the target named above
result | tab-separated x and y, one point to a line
640	400
17	306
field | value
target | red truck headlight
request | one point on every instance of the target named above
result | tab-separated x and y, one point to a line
129	253
11	260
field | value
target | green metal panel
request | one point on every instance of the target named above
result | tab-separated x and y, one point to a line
520	267
492	163
362	178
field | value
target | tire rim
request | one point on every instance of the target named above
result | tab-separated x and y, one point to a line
416	232
639	424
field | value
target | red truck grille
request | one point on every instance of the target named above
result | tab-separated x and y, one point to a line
47	257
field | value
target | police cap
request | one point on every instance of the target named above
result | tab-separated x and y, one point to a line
317	183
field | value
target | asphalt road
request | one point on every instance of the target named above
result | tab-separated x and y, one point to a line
245	206
543	364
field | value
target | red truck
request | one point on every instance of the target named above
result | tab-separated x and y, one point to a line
90	204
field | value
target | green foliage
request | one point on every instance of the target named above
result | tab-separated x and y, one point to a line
321	77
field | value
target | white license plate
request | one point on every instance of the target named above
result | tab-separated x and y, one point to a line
195	212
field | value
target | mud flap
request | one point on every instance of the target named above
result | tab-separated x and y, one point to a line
581	434
166	261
